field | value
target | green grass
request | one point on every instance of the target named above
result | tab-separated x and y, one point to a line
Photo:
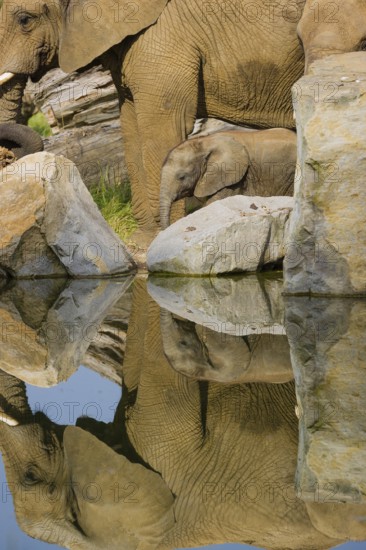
38	122
114	202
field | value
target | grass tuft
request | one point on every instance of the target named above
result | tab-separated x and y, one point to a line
114	202
38	122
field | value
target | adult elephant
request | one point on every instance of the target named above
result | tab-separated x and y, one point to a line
173	61
184	464
18	141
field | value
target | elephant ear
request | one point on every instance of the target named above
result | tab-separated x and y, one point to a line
120	504
91	28
226	163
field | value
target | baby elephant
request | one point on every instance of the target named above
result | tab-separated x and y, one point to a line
229	162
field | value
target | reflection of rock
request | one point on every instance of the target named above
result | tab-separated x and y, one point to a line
327	225
328	352
250	305
235	234
51	225
106	353
47	326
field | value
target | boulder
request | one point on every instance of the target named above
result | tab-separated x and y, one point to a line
236	234
96	151
74	100
48	325
328	224
83	112
328	353
51	225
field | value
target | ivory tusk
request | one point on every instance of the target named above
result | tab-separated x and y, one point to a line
5	77
8	419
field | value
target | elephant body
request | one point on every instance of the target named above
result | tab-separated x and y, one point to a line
208	77
173	61
226	163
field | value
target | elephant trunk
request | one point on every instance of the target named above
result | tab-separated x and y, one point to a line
11	93
165	209
170	191
20	139
168	194
14	406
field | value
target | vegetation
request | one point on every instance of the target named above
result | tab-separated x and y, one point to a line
114	202
38	122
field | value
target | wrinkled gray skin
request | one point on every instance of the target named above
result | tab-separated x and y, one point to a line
174	61
20	139
194	463
226	163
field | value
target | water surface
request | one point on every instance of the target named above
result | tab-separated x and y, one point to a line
204	411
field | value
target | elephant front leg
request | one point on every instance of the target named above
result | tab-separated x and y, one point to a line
162	127
147	226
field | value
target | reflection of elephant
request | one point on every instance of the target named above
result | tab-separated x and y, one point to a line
173	61
184	464
204	354
54	472
19	140
237	162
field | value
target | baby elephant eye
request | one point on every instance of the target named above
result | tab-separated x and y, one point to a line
25	20
30	478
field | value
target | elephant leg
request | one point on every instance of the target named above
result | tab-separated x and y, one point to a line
166	402
140	204
163	123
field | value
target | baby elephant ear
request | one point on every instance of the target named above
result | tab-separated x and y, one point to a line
226	163
90	28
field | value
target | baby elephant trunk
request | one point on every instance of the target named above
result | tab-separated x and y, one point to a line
168	194
19	140
165	208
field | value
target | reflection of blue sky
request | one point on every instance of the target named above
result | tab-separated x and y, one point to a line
86	392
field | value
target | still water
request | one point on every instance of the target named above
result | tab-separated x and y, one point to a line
181	413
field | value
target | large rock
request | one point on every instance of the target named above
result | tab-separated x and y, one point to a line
48	325
328	353
51	225
83	112
96	151
235	234
77	99
328	224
